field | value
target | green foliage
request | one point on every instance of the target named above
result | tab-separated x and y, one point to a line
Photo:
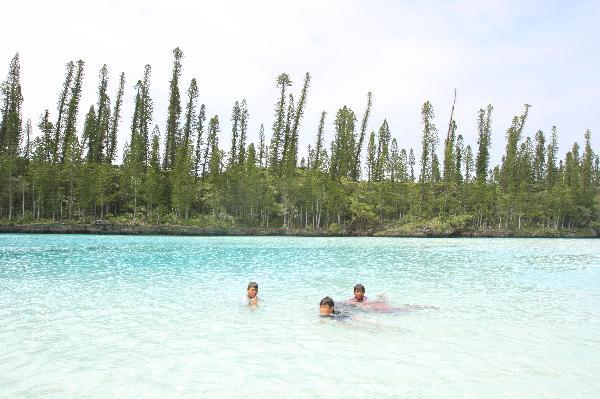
63	174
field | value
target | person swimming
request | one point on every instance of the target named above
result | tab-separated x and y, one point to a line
381	304
359	295
327	309
251	297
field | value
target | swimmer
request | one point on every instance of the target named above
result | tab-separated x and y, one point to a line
251	297
381	304
359	295
327	309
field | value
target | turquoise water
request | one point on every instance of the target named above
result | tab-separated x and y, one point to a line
159	317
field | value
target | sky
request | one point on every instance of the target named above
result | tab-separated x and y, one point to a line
504	53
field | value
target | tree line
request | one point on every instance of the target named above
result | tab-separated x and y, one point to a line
361	180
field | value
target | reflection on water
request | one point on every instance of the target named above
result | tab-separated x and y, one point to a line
114	316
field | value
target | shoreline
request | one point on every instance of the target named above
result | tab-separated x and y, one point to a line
180	230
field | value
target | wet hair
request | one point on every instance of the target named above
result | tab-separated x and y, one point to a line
326	301
359	287
252	284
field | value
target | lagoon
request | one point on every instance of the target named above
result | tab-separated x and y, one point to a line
135	316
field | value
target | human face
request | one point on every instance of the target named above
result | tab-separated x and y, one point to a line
359	295
252	291
325	310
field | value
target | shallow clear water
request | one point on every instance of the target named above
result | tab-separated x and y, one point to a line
116	316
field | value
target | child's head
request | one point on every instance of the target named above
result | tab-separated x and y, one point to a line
359	292
252	289
326	306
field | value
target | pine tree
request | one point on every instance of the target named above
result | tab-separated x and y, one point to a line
361	138
539	160
145	114
484	127
27	147
173	112
97	141
469	163
292	150
393	161
344	146
235	122
12	100
89	131
190	115
62	105
46	144
262	154
244	115
429	143
458	157
551	154
287	135
509	171
382	151
411	163
153	185
200	140
371	158
283	81
449	151
70	136
319	144
213	144
111	142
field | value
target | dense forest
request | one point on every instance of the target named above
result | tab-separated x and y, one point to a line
179	172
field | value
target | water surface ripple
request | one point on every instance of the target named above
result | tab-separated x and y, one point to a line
159	317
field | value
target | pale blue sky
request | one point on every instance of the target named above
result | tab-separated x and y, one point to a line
507	53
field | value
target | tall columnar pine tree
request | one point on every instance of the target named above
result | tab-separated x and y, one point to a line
429	142
382	151
244	116
89	129
551	157
412	163
458	158
291	110
62	108
215	157
343	151
189	126
113	129
173	112
484	140
361	138
153	184
587	172
539	159
70	136
449	144
371	158
143	116
46	144
283	81
235	127
449	153
509	171
12	100
469	164
290	155
319	148
200	138
97	140
262	148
